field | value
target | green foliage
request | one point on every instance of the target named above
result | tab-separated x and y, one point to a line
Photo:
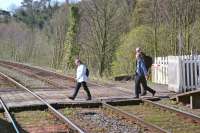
142	14
163	40
71	43
125	55
33	33
104	32
35	13
195	37
59	26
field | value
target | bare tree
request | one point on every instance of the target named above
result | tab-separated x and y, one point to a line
59	26
102	19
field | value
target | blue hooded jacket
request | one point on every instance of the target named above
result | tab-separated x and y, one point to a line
141	69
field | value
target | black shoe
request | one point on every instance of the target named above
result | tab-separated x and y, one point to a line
153	93
70	97
136	97
89	98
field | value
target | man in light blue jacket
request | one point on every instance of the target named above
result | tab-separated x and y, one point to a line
81	79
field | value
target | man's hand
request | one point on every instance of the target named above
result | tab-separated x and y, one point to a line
146	77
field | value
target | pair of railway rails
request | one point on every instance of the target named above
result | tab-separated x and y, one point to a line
127	116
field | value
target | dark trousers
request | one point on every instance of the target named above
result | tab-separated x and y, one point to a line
141	80
78	86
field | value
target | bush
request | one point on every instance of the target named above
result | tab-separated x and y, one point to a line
125	56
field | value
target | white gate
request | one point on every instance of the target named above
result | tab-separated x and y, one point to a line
190	72
160	70
181	73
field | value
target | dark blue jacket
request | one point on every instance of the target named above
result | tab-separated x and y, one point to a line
141	69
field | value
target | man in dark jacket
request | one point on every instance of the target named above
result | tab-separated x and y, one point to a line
141	88
141	76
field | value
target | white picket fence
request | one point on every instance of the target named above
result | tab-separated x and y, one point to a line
181	73
160	70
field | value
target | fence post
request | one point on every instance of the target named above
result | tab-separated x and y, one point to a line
174	73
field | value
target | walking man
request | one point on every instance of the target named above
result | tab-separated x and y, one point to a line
81	79
141	76
141	88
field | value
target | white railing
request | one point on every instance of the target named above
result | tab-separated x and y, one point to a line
190	67
160	70
181	73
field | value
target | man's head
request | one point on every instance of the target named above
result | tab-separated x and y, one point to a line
77	62
138	50
138	55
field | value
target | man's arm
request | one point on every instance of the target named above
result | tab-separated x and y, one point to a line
144	69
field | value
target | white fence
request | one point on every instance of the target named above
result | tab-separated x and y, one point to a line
160	70
181	73
190	72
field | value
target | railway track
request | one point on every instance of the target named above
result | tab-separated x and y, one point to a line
147	116
180	106
108	119
51	78
167	118
48	91
59	81
49	121
131	128
131	123
6	120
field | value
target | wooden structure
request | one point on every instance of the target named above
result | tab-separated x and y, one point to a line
191	97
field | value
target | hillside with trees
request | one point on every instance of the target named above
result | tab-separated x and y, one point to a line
103	33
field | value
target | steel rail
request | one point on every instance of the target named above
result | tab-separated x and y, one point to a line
9	63
9	116
57	113
182	113
39	68
135	118
32	75
4	62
